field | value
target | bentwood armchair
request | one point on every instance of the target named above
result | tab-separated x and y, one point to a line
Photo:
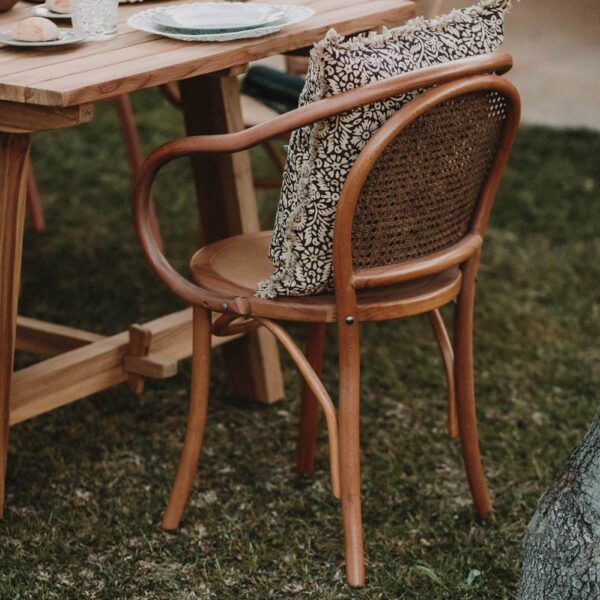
407	240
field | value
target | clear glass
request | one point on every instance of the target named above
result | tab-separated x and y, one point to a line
96	19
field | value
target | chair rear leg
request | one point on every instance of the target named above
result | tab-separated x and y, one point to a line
194	434
465	391
447	354
349	431
310	408
35	211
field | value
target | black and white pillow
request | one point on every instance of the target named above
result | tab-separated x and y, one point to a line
320	156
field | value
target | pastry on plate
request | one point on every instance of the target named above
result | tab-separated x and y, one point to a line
35	29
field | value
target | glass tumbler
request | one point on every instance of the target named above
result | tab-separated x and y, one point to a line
96	19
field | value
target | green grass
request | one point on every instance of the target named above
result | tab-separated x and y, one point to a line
87	483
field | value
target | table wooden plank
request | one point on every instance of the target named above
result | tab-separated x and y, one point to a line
14	61
331	9
145	70
17	117
41	337
135	60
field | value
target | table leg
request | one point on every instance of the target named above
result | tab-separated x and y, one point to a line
227	206
14	155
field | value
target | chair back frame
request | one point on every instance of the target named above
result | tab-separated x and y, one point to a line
347	279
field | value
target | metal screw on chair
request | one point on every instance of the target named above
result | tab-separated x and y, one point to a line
349	320
224	307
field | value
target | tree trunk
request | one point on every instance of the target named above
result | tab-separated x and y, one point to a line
562	547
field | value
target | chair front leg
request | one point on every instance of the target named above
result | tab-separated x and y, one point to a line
349	430
310	408
465	390
194	434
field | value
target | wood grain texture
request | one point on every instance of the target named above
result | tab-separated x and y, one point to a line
14	158
150	365
135	60
35	212
73	375
23	118
41	337
224	190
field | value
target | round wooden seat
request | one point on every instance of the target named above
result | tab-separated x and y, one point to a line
234	266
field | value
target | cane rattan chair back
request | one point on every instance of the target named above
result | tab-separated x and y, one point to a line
423	186
421	193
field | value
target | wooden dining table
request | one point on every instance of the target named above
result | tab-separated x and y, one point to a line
55	88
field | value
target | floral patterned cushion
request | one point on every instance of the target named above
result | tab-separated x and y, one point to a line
320	156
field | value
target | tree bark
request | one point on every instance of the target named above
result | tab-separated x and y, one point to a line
562	547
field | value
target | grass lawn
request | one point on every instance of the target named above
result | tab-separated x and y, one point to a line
87	483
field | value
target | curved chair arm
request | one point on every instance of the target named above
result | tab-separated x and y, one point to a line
150	244
295	119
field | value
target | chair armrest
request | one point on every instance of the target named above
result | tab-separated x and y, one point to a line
151	247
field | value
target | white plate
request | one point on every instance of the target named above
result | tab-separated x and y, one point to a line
218	16
67	36
43	11
143	21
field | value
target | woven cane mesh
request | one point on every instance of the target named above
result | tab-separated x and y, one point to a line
421	194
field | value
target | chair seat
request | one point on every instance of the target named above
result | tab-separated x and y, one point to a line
234	266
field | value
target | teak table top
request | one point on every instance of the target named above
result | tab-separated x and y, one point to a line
134	59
